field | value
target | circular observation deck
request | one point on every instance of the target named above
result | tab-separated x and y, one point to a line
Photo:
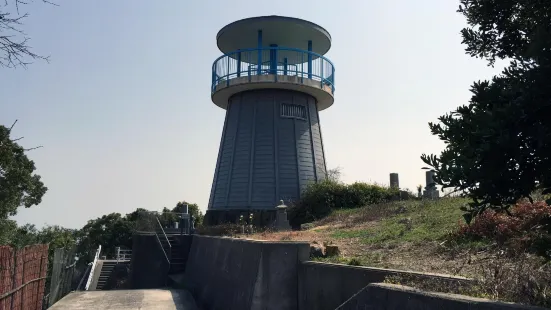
273	52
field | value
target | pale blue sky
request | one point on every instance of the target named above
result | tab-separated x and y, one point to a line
123	109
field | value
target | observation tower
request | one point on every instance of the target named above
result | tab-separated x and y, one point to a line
272	80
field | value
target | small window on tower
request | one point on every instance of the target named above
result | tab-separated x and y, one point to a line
293	111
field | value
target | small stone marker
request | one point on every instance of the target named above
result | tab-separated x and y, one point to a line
282	223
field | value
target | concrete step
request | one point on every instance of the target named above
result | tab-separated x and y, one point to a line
177	259
177	266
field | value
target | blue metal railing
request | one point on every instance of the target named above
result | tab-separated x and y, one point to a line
276	61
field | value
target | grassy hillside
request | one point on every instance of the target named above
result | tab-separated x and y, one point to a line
409	235
395	223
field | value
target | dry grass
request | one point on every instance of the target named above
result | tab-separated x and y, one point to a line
522	279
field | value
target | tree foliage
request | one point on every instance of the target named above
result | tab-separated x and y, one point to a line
14	43
19	186
110	231
498	147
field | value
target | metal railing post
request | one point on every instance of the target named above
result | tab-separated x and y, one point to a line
238	63
309	59
302	68
228	72
321	74
214	76
259	50
332	79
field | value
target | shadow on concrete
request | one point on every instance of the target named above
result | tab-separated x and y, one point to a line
183	300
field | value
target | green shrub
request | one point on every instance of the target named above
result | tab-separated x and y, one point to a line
319	199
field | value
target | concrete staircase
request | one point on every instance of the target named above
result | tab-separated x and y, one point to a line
106	271
176	252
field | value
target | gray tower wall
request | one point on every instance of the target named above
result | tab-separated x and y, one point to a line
271	149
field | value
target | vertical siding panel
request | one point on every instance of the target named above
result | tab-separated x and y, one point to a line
217	167
238	195
225	159
230	169
321	141
263	187
318	150
296	142
276	146
312	147
251	167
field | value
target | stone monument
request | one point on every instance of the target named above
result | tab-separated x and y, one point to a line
430	191
394	181
282	223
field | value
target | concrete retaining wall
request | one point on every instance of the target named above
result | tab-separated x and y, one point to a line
225	273
326	286
396	297
149	267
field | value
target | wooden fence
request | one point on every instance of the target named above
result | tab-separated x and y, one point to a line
63	269
22	277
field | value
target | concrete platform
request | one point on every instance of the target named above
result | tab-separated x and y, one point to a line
127	299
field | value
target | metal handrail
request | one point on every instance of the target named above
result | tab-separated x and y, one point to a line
93	268
123	255
159	222
275	48
162	249
167	241
231	66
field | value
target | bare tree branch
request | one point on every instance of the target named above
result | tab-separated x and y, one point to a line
11	127
14	47
33	148
17	139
